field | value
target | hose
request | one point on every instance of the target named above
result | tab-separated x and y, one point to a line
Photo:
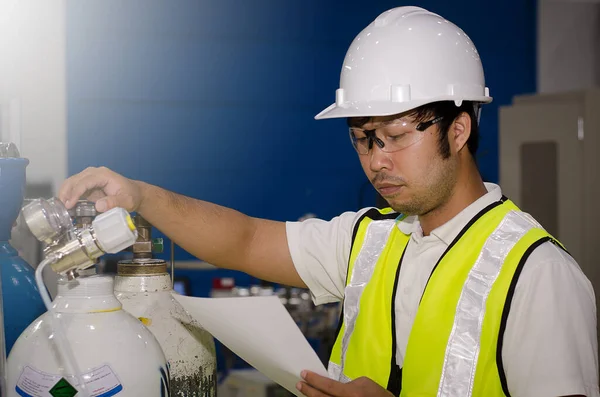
59	333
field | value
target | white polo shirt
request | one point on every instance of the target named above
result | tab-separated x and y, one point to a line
550	345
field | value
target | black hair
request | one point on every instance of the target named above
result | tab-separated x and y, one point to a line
449	112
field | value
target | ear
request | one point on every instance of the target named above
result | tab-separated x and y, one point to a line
459	133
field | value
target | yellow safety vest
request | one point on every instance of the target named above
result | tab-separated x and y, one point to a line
455	345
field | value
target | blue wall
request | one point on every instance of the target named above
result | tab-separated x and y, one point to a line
216	99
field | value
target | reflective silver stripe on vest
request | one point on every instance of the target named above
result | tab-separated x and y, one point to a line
335	372
462	351
376	237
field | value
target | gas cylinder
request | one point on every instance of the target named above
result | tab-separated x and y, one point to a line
22	301
145	289
115	352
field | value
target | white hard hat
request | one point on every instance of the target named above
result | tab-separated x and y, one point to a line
406	58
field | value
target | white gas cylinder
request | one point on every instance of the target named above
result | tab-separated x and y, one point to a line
116	354
145	289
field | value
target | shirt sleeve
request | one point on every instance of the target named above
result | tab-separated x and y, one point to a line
550	346
320	251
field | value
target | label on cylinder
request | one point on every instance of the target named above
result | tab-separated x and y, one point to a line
100	382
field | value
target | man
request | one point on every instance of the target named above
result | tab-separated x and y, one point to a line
452	291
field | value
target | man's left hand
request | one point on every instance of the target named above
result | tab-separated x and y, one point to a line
319	386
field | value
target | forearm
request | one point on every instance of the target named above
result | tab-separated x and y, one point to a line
221	236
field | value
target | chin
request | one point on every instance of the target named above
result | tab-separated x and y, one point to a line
405	207
401	208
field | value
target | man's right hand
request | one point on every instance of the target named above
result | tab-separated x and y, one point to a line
220	236
104	187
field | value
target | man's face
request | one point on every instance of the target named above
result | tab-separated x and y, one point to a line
415	178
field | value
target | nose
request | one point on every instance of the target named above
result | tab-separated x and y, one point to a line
379	160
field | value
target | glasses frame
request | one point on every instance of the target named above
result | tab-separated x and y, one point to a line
370	134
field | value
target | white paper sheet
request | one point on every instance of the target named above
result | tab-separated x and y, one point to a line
259	330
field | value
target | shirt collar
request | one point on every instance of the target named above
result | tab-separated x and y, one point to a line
449	230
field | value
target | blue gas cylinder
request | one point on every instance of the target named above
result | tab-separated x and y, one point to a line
21	300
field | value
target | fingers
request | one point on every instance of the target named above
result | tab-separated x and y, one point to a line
100	185
110	202
319	386
309	391
95	195
79	186
70	190
325	385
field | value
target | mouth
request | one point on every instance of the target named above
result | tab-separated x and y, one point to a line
387	190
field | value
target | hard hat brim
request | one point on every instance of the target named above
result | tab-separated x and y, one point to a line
373	109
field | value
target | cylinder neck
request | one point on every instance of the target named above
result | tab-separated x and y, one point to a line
135	284
92	294
142	267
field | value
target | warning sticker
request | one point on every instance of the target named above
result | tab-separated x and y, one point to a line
34	383
101	382
63	389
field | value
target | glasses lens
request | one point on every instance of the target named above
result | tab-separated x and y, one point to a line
391	136
359	140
